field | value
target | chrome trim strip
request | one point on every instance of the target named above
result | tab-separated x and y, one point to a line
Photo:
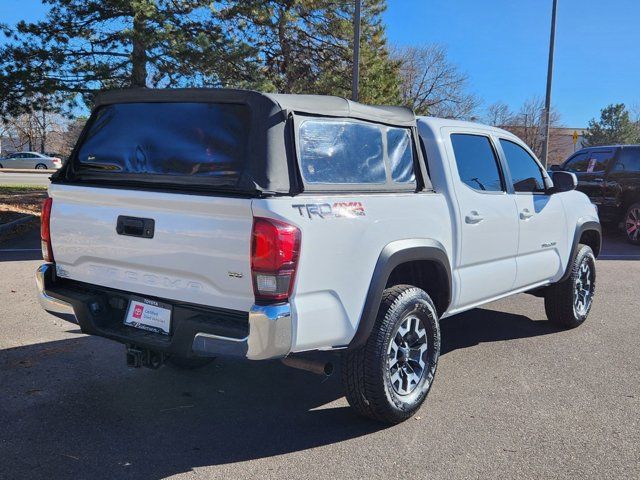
220	337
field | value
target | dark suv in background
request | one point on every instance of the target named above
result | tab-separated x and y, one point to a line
610	176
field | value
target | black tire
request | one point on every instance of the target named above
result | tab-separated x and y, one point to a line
1	166
190	363
41	166
562	302
631	223
366	371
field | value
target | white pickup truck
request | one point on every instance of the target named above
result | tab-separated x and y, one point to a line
190	224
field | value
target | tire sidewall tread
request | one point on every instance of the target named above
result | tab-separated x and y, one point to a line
367	384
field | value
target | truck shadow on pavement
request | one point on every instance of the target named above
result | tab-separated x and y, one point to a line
72	409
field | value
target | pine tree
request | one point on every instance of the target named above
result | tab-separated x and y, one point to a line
307	46
614	127
83	46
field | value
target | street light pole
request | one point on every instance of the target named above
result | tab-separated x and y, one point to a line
356	51
547	102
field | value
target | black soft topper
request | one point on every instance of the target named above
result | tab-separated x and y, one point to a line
266	157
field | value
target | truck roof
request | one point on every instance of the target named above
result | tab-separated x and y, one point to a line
326	105
437	123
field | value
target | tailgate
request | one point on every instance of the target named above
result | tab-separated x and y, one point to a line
199	252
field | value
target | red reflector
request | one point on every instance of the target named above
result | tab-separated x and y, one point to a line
275	247
45	230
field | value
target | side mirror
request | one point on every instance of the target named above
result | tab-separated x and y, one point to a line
564	181
555	168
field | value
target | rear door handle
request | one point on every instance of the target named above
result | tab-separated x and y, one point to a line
473	217
525	214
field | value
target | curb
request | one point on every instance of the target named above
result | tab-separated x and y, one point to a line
8	227
50	171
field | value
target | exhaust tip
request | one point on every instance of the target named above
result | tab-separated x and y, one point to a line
313	366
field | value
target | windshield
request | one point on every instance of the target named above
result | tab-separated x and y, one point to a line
167	139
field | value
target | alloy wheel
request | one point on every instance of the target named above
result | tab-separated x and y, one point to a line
583	288
632	224
406	355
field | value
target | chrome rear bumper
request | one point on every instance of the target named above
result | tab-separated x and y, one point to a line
270	327
47	302
270	336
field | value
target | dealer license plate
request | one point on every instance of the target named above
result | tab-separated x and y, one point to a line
149	315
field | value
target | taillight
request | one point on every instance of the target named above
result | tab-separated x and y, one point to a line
45	230
275	247
56	161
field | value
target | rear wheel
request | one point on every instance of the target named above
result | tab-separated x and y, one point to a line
1	166
568	303
632	224
389	377
41	166
189	363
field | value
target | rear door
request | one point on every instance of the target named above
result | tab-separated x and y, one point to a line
28	160
541	218
487	218
623	180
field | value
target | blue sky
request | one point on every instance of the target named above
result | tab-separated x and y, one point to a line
502	46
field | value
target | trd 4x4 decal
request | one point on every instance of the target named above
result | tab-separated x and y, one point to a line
328	210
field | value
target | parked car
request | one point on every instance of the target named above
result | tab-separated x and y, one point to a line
31	160
191	224
610	176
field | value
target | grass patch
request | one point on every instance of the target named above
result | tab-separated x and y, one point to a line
17	189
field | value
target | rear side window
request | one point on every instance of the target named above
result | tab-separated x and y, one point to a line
351	152
629	160
525	171
477	162
176	139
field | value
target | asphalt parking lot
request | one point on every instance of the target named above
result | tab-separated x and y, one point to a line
514	397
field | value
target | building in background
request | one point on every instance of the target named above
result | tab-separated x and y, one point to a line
561	144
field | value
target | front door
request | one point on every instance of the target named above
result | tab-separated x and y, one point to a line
487	219
541	218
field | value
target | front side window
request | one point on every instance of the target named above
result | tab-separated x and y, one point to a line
477	162
525	171
629	160
578	163
599	160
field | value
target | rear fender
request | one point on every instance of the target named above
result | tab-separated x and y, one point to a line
394	254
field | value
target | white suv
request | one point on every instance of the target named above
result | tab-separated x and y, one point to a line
190	224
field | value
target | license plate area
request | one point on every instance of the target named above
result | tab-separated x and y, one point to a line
149	315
